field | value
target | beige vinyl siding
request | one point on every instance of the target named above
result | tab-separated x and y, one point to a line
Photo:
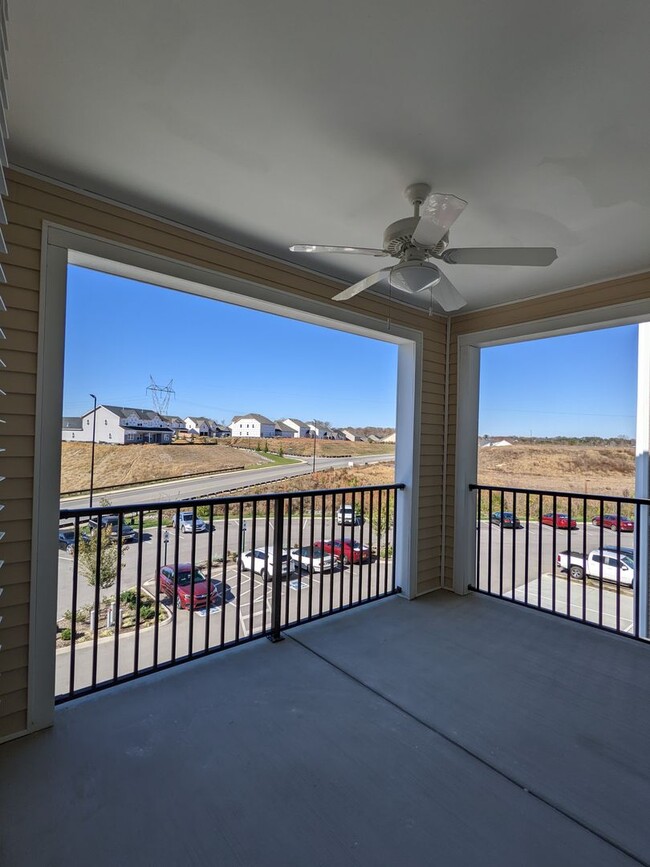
598	295
30	202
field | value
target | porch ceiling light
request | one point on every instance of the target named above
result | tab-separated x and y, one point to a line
413	277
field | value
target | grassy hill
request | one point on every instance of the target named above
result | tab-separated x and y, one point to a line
324	448
125	465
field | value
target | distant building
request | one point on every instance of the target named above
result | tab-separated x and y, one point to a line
118	425
495	443
320	431
354	437
372	438
299	428
283	430
252	425
391	438
199	424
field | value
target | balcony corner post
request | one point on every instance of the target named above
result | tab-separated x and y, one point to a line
276	580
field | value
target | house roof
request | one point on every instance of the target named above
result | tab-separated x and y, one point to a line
297	422
280	425
126	411
71	422
262	419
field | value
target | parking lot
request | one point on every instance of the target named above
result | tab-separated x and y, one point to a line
244	599
520	564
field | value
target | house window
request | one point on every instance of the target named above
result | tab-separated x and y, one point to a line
105	421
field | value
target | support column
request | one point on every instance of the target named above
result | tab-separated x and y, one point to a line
643	476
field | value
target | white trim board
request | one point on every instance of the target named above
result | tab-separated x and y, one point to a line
468	349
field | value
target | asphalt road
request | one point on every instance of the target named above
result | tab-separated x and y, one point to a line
205	486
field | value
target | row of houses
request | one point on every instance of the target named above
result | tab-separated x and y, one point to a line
125	425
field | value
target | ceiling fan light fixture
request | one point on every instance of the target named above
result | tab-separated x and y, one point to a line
414	277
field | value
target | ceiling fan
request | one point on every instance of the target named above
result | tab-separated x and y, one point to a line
414	240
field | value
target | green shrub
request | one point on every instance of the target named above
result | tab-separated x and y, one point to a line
129	597
66	634
147	612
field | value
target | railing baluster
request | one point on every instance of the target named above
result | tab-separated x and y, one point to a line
95	618
175	607
73	611
138	590
527	548
301	518
251	586
276	589
224	573
208	608
395	501
489	531
156	626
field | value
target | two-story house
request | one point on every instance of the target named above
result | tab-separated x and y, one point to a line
199	424
117	425
252	425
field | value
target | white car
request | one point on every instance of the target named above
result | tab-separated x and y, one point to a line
261	561
347	515
187	523
312	559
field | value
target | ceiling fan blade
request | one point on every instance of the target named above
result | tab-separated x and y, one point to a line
447	296
366	283
437	213
325	248
501	256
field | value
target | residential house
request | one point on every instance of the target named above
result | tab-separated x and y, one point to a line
354	437
391	438
373	438
118	425
321	431
221	430
252	425
175	422
300	428
495	444
201	426
463	728
284	430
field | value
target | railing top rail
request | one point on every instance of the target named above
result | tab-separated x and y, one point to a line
219	501
575	495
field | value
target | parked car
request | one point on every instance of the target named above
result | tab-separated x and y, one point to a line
311	559
187	523
67	540
559	520
506	519
609	565
347	515
612	522
184	586
261	561
348	551
129	533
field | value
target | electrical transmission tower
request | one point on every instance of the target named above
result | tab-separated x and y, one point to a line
161	395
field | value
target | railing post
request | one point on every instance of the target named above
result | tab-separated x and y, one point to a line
276	585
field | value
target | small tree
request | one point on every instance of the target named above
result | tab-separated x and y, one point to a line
266	446
382	521
108	559
281	450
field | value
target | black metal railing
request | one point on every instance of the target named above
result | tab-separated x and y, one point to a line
571	554
145	587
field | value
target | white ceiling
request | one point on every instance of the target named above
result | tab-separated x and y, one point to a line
293	121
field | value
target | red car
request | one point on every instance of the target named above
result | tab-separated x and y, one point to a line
612	522
559	519
347	550
184	586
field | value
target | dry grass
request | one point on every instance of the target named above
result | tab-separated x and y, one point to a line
344	477
324	448
125	465
583	469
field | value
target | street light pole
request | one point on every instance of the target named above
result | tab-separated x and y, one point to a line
92	451
313	463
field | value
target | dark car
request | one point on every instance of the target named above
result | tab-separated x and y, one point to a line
559	520
613	522
112	522
184	586
624	552
506	519
67	540
347	550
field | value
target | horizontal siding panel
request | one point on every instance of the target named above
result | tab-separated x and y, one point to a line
12	681
17	636
18	361
15	404
18	298
12	724
25	257
20	383
13	594
22	278
23	236
13	659
19	320
15	571
15	531
14	615
12	702
18	340
18	446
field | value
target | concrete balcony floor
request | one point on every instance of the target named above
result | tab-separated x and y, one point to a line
451	731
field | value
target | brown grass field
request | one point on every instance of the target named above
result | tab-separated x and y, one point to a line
324	448
344	477
552	467
125	465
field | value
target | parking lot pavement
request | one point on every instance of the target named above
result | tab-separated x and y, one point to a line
581	599
511	557
246	612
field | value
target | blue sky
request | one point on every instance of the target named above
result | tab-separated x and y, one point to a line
224	359
574	385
